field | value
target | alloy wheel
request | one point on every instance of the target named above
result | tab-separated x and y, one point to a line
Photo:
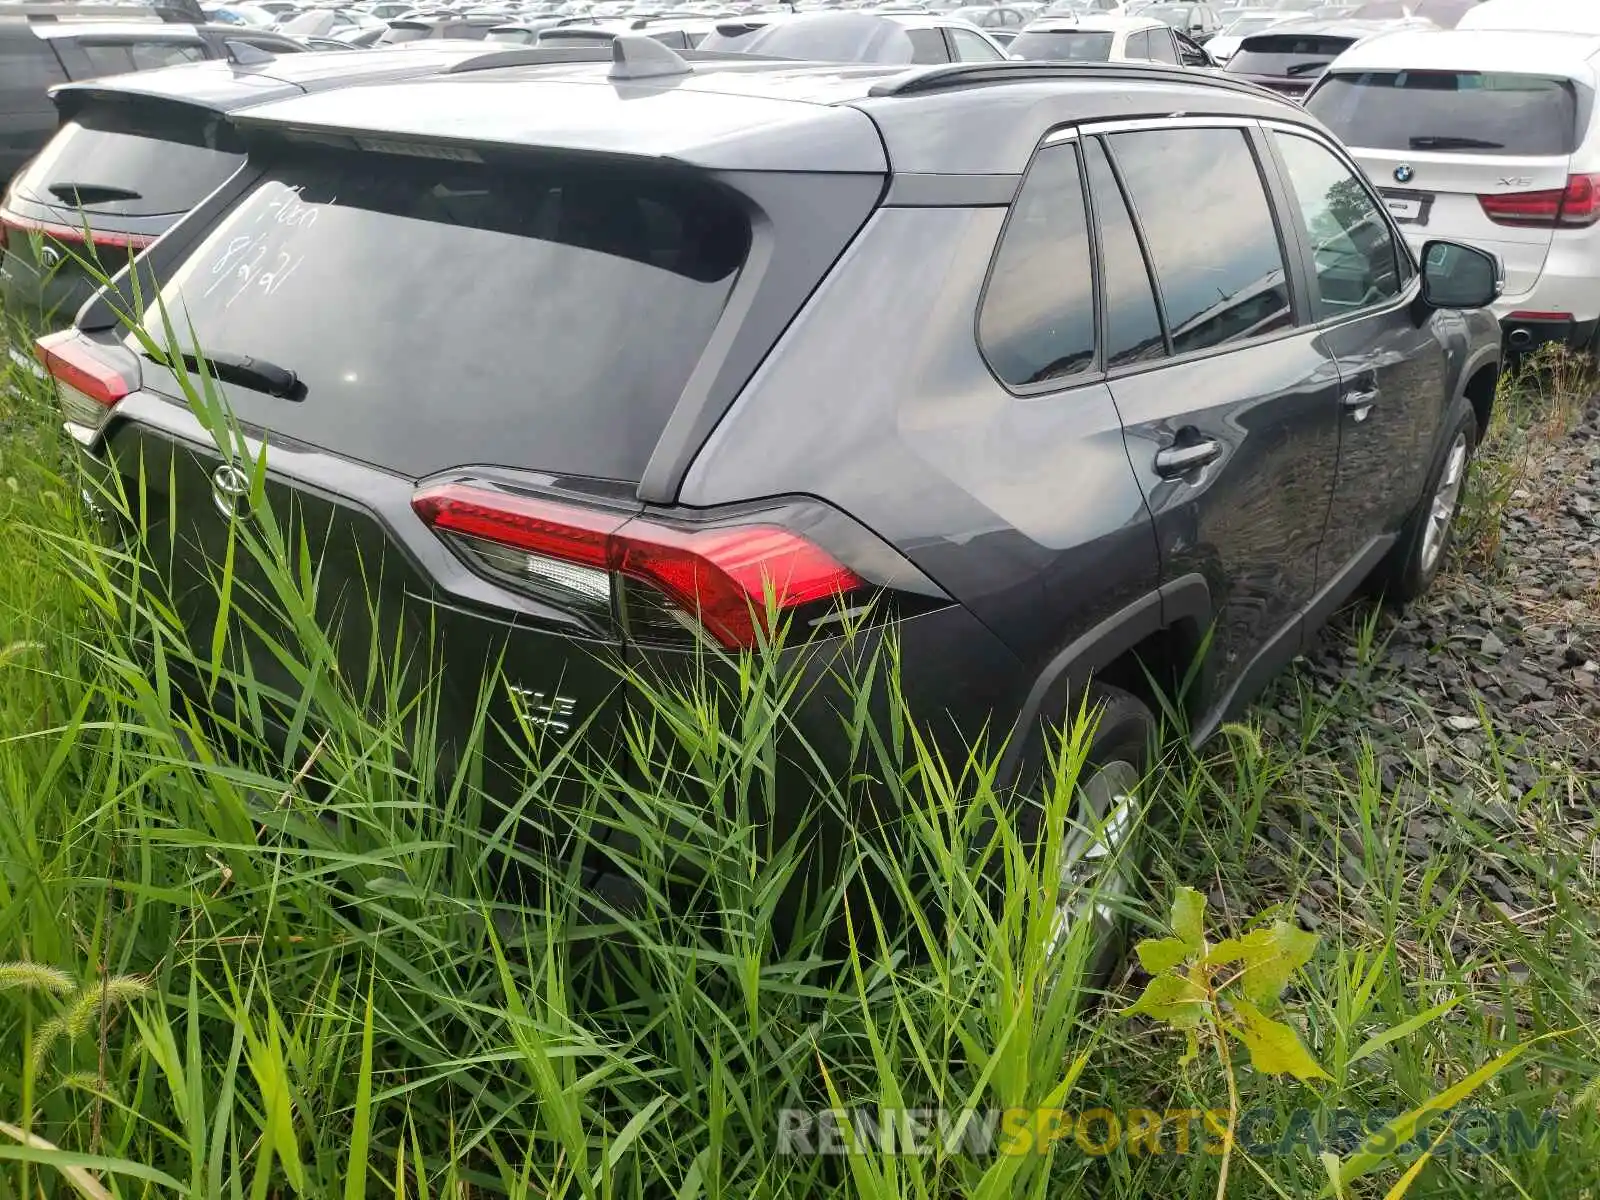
1446	499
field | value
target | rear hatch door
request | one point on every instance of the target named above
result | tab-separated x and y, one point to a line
1450	148
116	176
443	317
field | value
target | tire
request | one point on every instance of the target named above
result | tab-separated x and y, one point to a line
1413	563
1101	857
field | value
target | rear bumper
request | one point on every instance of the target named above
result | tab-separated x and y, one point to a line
1526	331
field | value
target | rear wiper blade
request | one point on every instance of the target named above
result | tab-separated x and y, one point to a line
1448	142
257	374
1305	68
91	193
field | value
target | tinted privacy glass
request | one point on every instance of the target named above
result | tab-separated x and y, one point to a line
158	159
1161	47
1132	324
972	48
1212	239
1070	47
439	313
1464	112
1287	55
119	58
1352	246
1037	322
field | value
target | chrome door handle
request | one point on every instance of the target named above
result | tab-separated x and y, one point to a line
1180	460
1359	404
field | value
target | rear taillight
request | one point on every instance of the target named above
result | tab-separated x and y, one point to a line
77	235
1577	205
726	580
88	386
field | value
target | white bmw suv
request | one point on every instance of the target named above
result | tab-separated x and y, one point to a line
1491	138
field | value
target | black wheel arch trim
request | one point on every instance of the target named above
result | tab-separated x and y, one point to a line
1185	601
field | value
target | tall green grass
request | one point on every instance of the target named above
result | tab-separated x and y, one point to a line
340	970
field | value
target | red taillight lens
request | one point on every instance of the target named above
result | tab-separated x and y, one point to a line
88	386
76	235
1576	205
721	577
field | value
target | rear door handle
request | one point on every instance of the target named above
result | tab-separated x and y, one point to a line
1180	460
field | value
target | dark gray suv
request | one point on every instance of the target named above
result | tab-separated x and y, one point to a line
572	364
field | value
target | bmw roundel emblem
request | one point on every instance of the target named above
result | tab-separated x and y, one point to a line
1403	173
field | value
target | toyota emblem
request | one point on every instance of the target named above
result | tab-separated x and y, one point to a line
1403	173
230	491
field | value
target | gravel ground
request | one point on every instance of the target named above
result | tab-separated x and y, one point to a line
1514	642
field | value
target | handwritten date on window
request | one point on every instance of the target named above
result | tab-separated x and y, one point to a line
260	257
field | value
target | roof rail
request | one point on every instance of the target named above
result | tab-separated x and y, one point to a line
950	76
544	56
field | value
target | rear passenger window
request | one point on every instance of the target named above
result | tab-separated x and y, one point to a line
1138	45
1353	250
1161	49
106	58
1037	321
1132	322
972	48
1212	237
927	46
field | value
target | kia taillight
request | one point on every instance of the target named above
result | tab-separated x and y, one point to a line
1575	206
653	579
87	383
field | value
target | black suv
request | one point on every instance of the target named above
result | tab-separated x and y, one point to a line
562	365
135	152
36	54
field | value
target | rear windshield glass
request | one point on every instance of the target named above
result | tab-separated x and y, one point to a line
440	313
1067	47
1463	112
404	31
133	160
732	35
1285	55
577	37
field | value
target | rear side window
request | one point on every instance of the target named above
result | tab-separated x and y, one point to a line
1065	47
972	48
1213	239
133	160
927	46
1161	48
1463	112
1037	320
1132	321
119	58
485	313
1139	44
1286	56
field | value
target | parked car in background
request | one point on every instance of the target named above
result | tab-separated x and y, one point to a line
1489	137
1552	16
1446	14
1289	59
860	37
1197	21
522	33
416	29
825	344
135	153
1244	23
36	55
1109	38
681	33
1002	22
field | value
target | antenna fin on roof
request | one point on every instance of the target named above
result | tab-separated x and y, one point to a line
243	54
635	56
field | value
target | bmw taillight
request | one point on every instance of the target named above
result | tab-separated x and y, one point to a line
88	382
729	581
1575	206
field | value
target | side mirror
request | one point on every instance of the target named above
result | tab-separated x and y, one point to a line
1458	276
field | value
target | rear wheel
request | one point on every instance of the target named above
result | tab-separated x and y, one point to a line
1098	872
1414	562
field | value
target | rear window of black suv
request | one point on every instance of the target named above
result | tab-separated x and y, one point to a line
440	313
